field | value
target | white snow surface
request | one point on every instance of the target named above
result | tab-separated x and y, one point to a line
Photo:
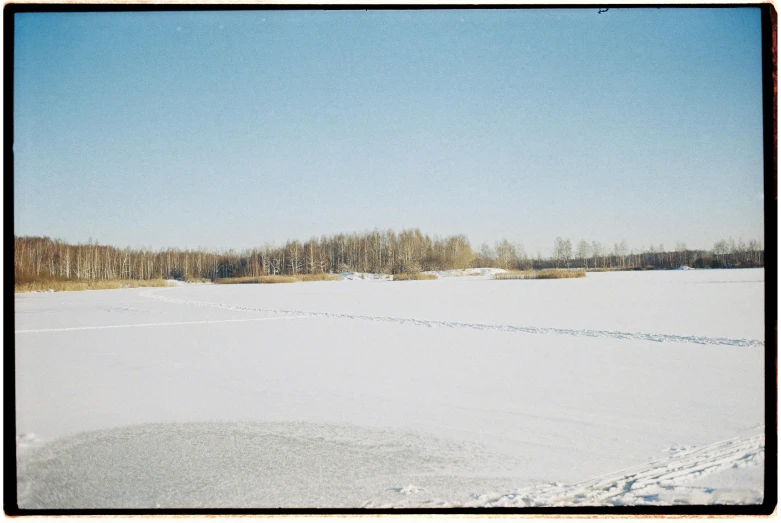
615	389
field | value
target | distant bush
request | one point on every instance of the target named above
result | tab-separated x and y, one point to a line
544	274
405	276
59	285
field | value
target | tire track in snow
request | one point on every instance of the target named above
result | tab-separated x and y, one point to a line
657	483
590	333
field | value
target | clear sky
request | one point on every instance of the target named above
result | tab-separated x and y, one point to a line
232	129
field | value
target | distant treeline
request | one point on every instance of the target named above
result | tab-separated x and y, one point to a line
409	251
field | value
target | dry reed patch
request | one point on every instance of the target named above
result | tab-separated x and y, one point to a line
272	278
544	274
319	277
554	274
84	285
277	278
406	276
512	275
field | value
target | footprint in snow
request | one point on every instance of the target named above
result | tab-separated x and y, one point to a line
409	489
27	440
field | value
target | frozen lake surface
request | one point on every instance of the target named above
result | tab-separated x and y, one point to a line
619	388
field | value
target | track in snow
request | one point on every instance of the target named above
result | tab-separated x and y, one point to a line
161	324
660	482
661	338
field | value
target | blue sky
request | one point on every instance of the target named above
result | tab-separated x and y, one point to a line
232	129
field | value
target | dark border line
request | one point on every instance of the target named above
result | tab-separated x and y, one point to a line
769	71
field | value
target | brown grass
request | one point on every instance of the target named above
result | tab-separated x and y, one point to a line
512	275
321	276
406	276
544	274
620	269
271	278
84	285
276	278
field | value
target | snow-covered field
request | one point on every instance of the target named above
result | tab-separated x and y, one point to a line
619	388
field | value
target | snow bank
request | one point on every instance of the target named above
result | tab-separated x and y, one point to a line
179	283
365	276
455	273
